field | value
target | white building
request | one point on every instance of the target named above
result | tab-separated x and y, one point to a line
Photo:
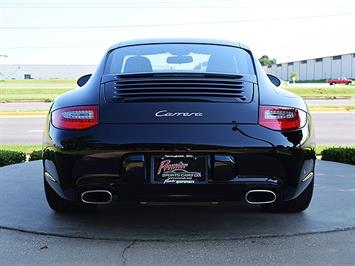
44	71
317	68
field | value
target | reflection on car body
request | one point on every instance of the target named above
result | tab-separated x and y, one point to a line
193	120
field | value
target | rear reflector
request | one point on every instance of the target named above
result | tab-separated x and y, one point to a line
281	118
76	118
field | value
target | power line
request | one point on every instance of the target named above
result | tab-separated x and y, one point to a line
171	24
152	6
113	2
156	7
146	4
54	47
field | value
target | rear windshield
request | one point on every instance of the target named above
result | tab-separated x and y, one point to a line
175	58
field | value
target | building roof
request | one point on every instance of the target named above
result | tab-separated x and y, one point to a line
314	58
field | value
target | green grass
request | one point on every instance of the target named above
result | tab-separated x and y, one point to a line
44	83
315	81
48	90
329	108
311	81
320	148
13	95
21	148
336	92
33	90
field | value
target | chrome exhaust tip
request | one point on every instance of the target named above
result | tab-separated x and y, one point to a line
96	197
260	196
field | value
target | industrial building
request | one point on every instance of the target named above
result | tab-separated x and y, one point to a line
316	68
309	69
21	71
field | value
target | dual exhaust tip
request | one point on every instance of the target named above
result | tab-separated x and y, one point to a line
260	196
256	196
98	196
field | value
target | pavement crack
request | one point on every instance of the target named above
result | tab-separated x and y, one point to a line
124	259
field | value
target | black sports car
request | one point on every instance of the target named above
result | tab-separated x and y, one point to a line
179	120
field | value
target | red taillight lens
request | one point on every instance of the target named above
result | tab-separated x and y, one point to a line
281	118
77	118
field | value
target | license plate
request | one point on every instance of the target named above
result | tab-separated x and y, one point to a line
179	169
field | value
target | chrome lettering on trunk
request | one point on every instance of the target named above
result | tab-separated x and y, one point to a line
165	113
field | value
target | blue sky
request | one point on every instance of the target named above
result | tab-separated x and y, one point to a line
79	32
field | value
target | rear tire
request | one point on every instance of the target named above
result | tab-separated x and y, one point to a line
58	204
298	204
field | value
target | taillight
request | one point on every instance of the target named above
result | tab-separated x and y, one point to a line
76	118
281	118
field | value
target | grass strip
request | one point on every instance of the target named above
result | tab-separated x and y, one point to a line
48	90
16	95
332	108
34	90
27	149
336	92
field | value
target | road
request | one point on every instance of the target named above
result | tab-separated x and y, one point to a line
24	106
326	102
335	128
331	129
21	129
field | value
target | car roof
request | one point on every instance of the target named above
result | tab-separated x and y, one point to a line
179	40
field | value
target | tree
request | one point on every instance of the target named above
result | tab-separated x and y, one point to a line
266	61
294	76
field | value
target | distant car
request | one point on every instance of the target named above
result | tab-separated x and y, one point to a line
342	80
157	123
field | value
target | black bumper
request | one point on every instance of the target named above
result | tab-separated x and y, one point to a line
118	159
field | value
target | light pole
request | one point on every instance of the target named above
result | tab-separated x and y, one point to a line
1	74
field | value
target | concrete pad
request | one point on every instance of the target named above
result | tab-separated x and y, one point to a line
23	207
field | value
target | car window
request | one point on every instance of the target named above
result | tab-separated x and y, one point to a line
175	58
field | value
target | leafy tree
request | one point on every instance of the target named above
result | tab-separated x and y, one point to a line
294	76
266	61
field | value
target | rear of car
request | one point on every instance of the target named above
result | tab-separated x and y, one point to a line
342	80
186	121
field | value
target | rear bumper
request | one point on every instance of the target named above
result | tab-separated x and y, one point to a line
117	158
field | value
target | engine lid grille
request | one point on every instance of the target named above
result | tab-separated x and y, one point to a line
179	87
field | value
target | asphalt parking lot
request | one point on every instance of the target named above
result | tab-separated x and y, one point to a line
334	248
177	234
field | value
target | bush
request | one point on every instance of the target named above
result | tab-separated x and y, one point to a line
339	154
35	155
11	157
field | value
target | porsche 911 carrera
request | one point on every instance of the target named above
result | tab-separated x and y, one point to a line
179	120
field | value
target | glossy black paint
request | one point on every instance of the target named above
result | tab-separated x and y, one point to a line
116	154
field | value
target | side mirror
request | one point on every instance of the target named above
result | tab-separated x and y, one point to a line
82	80
275	80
